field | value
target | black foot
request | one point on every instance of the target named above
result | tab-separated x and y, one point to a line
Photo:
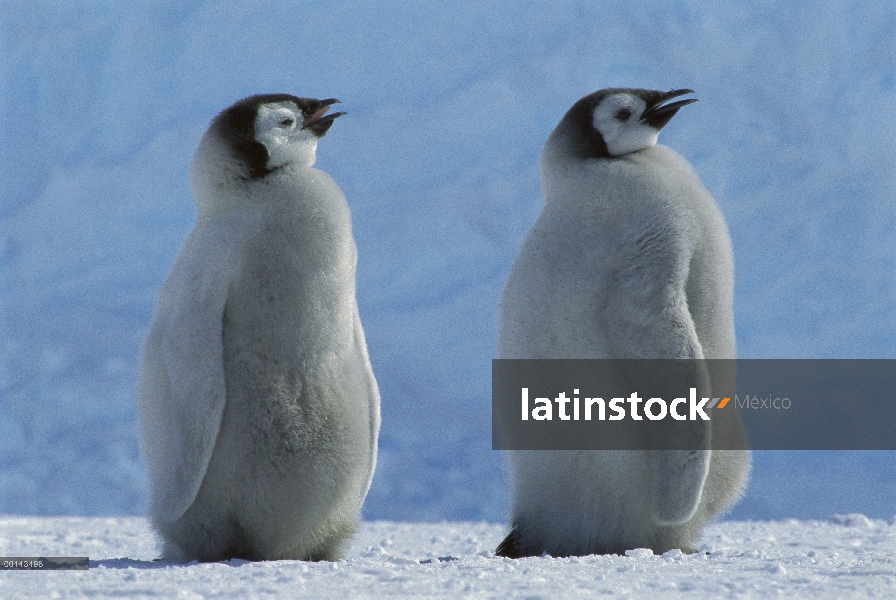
512	547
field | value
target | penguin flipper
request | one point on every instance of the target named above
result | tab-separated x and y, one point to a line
679	450
652	320
182	388
678	477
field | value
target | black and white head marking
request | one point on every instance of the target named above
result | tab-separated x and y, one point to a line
616	121
268	131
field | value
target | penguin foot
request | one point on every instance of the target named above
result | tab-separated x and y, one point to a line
512	547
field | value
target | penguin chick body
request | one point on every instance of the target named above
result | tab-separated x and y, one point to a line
629	259
258	407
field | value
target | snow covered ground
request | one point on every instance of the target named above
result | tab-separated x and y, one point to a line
848	556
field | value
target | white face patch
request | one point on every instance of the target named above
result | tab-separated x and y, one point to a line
279	127
617	120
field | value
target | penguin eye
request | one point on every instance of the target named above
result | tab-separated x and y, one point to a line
287	122
623	114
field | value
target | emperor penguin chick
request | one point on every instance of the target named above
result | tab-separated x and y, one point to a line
258	408
629	259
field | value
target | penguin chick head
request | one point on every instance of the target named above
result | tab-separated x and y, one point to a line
290	129
617	121
254	138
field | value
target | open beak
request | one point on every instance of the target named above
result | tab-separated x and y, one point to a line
319	122
658	113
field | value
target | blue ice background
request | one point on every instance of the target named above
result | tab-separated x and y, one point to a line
103	103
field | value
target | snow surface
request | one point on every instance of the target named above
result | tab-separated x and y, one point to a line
848	556
102	104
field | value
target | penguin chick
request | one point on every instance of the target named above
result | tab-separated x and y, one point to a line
629	259
258	408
